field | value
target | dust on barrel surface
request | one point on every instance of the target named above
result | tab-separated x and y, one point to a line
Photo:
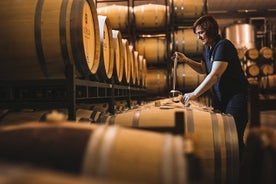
40	38
214	134
109	152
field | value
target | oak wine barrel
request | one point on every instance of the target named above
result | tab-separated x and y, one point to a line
132	66
154	49
105	70
267	69
214	134
95	151
119	56
266	53
252	54
186	78
150	16
135	68
39	39
252	69
11	173
127	62
241	53
157	81
118	15
188	9
268	82
186	41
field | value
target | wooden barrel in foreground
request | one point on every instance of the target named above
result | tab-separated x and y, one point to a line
39	39
214	134
26	174
108	152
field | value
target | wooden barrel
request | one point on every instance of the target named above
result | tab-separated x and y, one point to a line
95	151
214	134
140	70
252	69
117	14
25	174
157	81
186	41
132	66
150	16
154	49
252	54
266	53
188	9
105	70
135	68
144	73
268	82
186	78
40	38
267	69
241	54
127	61
119	56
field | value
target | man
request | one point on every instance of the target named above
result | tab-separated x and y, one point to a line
223	71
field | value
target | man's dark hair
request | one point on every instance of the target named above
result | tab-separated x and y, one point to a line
209	24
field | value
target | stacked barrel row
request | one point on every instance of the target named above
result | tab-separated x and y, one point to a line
156	31
259	65
53	35
257	62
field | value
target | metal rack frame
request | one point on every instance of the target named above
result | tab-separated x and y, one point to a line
63	93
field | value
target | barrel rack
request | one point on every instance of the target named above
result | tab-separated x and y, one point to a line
64	93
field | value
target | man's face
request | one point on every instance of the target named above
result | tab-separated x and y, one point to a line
201	35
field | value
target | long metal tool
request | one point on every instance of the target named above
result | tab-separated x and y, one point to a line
174	93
